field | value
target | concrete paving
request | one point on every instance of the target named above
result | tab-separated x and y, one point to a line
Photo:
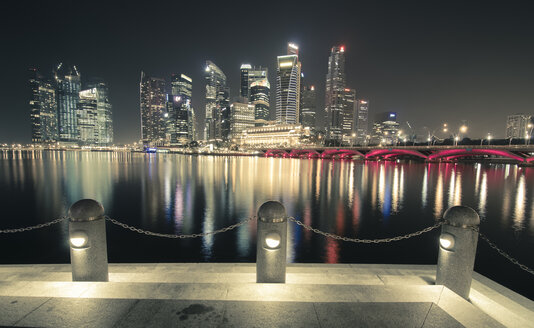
226	295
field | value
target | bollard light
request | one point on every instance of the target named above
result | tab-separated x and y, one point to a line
79	239
446	241
272	240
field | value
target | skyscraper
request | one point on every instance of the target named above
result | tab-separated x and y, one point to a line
260	97
288	87
519	126
68	86
385	128
217	99
361	120
241	118
95	124
335	85
152	106
349	112
43	109
249	76
243	92
179	110
308	107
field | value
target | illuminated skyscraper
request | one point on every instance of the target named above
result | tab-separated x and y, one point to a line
361	120
241	118
95	124
152	105
335	86
385	129
180	116
308	107
43	109
288	87
349	112
519	126
259	97
217	95
68	86
250	75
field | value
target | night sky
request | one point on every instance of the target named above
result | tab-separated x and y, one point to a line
430	61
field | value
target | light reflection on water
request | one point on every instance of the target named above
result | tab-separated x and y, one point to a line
190	194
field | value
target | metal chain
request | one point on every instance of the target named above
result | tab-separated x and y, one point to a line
194	235
366	241
508	257
39	226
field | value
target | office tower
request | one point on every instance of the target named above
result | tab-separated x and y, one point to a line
349	111
385	129
259	98
152	106
335	85
288	87
94	119
519	126
308	107
242	117
43	109
361	120
68	86
217	98
179	114
250	75
243	92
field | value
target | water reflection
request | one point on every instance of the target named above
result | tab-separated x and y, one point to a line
192	194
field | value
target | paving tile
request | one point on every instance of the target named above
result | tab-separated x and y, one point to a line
372	314
211	292
174	313
402	280
464	312
13	309
397	293
121	290
290	293
437	318
270	314
76	312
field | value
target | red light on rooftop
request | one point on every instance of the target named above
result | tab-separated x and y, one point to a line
342	49
347	90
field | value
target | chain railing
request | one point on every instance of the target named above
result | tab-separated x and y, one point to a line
292	219
38	226
181	236
365	241
505	255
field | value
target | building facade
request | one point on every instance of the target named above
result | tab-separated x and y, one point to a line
241	118
279	135
361	121
43	109
260	97
94	116
179	115
68	86
334	93
385	129
288	87
308	107
519	126
348	129
217	101
153	107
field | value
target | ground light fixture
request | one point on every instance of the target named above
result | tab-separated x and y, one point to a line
272	240
79	239
446	241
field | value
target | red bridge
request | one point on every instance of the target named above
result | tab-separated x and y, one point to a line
522	154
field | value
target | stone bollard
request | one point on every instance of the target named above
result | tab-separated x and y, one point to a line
88	247
272	243
458	245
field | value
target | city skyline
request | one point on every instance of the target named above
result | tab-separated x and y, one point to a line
429	63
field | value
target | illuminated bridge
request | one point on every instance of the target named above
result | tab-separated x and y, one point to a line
516	153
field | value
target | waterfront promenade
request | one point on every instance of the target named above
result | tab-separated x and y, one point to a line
227	295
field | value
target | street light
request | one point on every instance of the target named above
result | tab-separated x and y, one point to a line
489	139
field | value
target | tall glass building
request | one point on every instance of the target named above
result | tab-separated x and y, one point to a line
334	93
288	87
241	118
259	98
95	123
68	86
361	120
308	107
180	117
349	112
43	109
152	105
217	101
249	76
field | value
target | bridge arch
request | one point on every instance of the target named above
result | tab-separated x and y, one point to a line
276	153
450	154
343	153
306	153
392	153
